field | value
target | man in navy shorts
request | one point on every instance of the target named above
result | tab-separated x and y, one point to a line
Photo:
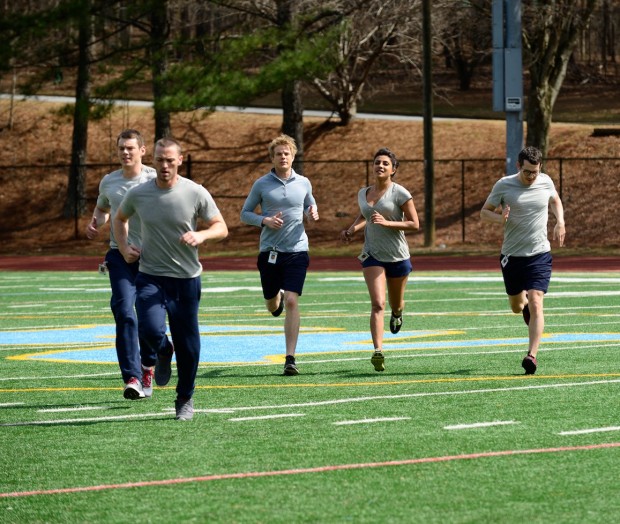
284	197
521	203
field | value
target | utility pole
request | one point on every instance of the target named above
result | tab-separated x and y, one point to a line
427	96
508	74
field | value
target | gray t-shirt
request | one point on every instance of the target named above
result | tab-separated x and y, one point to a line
525	232
166	215
112	189
385	244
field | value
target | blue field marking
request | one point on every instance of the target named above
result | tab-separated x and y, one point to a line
249	344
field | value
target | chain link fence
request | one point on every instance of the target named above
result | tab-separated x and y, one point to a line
32	198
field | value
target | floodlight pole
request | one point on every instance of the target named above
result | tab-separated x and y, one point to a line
508	74
427	95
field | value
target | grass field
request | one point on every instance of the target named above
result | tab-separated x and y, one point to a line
452	431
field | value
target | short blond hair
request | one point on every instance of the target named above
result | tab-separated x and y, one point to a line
169	141
282	140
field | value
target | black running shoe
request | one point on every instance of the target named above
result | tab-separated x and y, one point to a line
526	314
290	368
396	323
529	364
278	311
163	369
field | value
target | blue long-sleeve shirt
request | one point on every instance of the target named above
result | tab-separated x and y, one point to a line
293	197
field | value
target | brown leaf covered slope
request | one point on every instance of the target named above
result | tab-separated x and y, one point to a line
235	147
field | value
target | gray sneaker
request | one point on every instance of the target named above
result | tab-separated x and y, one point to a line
133	389
163	370
147	381
184	408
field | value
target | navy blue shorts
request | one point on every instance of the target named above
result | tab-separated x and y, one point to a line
288	273
392	269
524	273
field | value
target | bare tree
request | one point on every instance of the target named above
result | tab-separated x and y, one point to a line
292	104
551	29
159	34
464	30
374	31
292	57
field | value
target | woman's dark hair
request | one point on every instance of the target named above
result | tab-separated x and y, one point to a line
384	151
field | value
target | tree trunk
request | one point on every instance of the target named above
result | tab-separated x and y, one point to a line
539	111
550	41
293	120
292	105
160	30
75	203
465	73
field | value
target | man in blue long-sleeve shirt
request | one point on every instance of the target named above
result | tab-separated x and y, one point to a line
284	197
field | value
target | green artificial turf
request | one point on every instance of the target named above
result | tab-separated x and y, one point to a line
452	431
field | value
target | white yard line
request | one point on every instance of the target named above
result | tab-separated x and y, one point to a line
267	417
56	377
369	421
352	400
81	420
481	425
78	408
588	431
325	402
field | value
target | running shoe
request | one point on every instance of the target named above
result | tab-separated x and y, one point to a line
163	369
184	408
526	314
290	368
377	360
147	381
133	389
396	323
278	311
529	364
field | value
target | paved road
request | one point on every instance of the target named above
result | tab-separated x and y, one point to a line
253	110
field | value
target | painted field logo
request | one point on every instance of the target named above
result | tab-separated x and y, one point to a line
250	344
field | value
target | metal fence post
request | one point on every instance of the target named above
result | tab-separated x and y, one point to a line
463	200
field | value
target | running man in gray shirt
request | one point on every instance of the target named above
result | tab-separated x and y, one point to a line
524	200
284	197
169	278
135	359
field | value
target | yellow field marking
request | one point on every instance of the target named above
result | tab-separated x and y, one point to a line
69	328
38	355
404	382
335	384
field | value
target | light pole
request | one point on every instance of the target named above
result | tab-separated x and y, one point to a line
427	96
508	74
